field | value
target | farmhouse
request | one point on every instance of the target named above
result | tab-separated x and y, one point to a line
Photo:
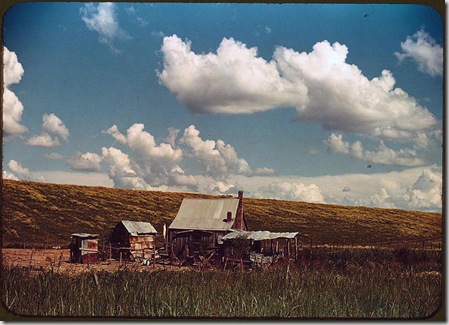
132	239
201	223
84	248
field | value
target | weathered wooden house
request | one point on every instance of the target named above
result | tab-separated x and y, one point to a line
201	223
132	239
261	247
84	248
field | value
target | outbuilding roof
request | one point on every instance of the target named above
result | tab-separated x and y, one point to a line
139	227
259	235
205	214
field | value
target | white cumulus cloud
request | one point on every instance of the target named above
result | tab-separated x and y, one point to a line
425	51
12	107
43	140
86	162
18	171
383	155
120	169
102	19
53	130
321	85
216	158
426	192
234	80
292	191
114	132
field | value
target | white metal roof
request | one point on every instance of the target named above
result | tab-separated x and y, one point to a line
139	227
259	235
205	214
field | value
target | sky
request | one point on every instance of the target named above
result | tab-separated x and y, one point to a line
325	103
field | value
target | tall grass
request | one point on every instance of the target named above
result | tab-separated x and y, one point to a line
303	292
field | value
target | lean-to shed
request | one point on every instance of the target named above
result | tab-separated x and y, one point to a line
201	223
132	239
84	248
262	245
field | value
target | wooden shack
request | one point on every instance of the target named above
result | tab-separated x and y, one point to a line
132	240
261	247
84	248
201	223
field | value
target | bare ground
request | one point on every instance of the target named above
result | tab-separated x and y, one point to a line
58	260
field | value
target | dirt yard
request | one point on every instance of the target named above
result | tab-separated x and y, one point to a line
58	259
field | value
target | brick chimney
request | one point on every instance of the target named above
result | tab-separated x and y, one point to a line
239	223
229	216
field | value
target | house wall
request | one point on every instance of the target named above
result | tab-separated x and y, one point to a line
195	242
142	245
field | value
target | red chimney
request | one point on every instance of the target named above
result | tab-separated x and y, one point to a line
239	222
229	216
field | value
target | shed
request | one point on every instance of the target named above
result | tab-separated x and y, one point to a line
201	223
130	239
84	248
261	246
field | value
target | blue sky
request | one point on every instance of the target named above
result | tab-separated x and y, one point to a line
322	103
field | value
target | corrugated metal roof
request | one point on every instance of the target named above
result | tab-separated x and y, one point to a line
139	227
259	235
205	214
85	235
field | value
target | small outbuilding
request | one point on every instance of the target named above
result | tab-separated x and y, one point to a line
261	247
84	248
132	239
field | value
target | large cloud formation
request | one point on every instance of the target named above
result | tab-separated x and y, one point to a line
150	165
425	51
12	107
321	85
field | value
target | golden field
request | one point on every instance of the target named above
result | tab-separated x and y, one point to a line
39	213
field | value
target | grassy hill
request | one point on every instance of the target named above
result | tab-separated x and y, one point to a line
37	213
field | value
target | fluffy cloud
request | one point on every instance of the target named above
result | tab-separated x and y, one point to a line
43	140
120	169
114	132
152	165
18	172
8	175
320	85
158	166
426	192
233	81
12	107
217	158
86	162
383	155
425	51
155	162
292	191
53	130
102	19
53	125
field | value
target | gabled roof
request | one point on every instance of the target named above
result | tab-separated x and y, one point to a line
205	214
259	235
139	227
